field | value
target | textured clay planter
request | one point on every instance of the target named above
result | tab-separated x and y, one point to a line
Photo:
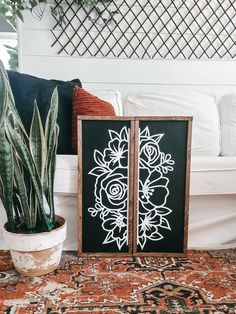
36	254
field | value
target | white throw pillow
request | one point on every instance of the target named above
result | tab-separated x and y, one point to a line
112	96
202	106
227	107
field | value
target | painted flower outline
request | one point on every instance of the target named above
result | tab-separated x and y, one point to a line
111	188
153	188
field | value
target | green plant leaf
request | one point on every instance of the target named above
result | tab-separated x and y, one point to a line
3	94
22	193
8	100
6	173
15	115
51	172
51	119
37	143
19	14
25	156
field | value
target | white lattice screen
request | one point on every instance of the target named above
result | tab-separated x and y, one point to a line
148	29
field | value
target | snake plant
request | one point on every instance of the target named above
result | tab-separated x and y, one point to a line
27	164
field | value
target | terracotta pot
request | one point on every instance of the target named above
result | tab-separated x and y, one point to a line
39	253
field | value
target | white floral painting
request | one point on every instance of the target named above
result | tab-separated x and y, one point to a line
111	188
153	188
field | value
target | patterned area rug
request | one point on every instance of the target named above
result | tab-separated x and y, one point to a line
204	282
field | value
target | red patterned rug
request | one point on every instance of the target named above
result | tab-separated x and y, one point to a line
204	282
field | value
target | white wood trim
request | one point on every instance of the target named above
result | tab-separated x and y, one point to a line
102	70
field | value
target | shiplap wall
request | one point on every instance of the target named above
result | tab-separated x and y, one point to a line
37	57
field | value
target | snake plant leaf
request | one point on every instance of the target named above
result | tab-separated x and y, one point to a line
27	160
3	95
7	101
22	193
37	143
51	117
6	173
1	188
51	137
15	116
19	217
51	167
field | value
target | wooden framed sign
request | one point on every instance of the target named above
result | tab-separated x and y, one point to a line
105	194
161	185
133	189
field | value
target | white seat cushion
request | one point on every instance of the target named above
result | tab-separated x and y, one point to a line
212	175
202	106
227	107
209	175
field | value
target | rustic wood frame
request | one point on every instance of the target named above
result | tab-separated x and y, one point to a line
133	184
80	120
187	184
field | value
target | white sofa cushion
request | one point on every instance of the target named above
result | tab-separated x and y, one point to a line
112	96
227	107
202	106
212	175
209	175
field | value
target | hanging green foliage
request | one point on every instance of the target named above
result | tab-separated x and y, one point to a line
11	9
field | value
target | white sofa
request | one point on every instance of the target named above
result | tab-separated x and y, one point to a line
212	212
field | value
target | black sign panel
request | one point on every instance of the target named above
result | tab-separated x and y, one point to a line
162	147
133	188
105	186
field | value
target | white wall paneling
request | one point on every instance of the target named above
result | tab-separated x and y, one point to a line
37	57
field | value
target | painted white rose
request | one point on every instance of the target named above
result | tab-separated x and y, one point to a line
150	155
111	190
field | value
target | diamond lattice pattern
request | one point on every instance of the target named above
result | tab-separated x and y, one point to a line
148	29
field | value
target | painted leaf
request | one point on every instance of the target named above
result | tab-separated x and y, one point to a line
97	171
109	238
113	135
93	211
124	134
157	137
142	241
156	236
165	223
145	133
163	210
99	158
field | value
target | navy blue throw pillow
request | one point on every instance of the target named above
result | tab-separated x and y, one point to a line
27	88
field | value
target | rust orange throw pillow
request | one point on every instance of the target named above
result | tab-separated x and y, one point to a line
86	104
